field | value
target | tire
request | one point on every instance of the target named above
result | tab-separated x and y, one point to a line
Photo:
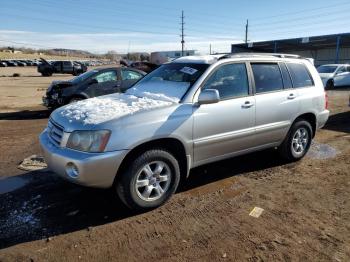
139	185
294	146
330	84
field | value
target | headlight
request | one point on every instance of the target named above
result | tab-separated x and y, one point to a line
89	141
54	96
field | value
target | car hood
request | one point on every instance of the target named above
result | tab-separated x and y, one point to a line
96	112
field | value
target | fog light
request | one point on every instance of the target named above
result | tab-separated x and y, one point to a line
72	170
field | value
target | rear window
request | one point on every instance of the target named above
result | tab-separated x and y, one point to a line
267	77
300	75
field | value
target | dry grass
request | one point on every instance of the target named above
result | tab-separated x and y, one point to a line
5	55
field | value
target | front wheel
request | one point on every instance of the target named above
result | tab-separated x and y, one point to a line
149	180
298	141
75	99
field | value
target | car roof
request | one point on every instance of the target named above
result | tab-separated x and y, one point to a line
335	65
116	68
211	59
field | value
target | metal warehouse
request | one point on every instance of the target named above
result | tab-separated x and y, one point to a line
326	49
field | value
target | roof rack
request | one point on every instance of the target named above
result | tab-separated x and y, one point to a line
233	55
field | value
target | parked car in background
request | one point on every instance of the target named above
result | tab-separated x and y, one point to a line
3	64
187	113
93	83
10	63
334	75
20	63
61	67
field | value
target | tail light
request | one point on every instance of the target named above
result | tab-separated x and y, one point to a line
326	99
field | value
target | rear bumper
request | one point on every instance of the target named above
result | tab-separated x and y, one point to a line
322	118
95	169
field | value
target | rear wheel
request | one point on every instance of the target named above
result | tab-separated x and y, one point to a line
149	180
297	142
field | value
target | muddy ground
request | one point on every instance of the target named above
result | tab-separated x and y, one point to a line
306	204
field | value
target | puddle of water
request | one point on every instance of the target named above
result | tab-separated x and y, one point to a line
11	183
321	151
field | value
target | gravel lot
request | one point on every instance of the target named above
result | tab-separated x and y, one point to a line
306	205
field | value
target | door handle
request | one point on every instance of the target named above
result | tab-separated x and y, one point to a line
291	96
247	104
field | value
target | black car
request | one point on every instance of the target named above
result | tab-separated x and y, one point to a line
93	83
11	63
61	67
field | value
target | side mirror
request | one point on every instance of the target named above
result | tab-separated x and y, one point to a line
93	81
208	96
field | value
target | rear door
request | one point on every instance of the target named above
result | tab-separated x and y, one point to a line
226	127
67	67
128	78
276	102
106	83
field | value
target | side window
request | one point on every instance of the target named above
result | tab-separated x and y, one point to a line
230	80
300	75
267	77
348	69
66	63
341	70
106	77
130	75
287	82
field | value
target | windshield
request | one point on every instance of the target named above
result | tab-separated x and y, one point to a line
326	69
169	82
83	77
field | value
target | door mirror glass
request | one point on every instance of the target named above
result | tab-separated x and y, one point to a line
209	96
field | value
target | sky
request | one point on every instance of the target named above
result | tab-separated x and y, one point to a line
154	25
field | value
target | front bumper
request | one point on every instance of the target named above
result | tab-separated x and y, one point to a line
322	118
95	169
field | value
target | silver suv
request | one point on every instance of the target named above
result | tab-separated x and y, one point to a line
187	113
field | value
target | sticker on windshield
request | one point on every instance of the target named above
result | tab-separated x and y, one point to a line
188	70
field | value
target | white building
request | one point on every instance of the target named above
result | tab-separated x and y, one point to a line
166	56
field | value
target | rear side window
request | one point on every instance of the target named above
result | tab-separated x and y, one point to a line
267	77
300	75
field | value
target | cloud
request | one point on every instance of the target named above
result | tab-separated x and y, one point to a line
120	42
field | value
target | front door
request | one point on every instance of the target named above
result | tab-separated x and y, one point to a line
342	76
226	127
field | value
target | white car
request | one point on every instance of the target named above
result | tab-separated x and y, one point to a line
334	75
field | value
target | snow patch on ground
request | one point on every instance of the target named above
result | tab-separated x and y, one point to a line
101	109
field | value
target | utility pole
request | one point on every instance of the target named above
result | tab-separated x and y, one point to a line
209	49
182	34
246	31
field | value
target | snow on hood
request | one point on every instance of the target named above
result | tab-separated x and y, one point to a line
104	108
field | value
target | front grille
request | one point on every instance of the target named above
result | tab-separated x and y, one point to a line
55	132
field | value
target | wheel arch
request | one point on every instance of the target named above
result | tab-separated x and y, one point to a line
311	118
173	145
